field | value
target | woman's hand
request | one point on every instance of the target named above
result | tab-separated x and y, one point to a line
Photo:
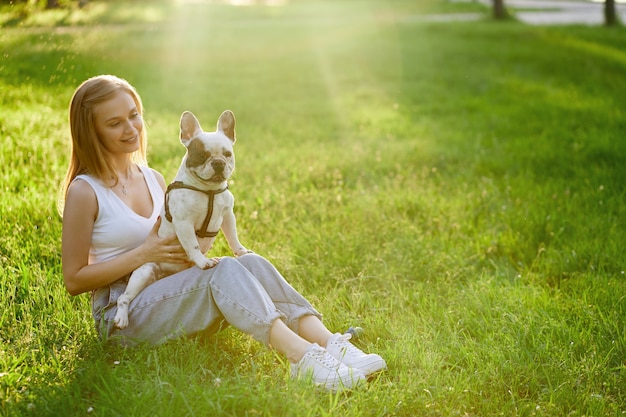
163	249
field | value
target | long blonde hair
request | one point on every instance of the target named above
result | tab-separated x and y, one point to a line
87	153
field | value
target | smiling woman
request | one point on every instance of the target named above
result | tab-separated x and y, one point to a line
110	124
108	236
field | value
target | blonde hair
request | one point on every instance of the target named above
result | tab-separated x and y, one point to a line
87	152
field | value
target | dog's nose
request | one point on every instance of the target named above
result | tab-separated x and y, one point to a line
218	166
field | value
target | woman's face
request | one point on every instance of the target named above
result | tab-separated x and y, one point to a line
118	124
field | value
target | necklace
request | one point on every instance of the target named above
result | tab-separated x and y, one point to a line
123	183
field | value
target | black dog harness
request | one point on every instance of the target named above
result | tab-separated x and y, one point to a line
203	232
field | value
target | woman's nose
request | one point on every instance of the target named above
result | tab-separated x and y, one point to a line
130	127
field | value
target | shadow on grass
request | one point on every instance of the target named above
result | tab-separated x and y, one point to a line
107	379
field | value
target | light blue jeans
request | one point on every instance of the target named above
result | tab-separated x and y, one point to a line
247	293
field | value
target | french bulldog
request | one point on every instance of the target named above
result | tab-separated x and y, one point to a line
197	205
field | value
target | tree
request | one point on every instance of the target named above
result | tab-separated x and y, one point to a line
499	11
610	15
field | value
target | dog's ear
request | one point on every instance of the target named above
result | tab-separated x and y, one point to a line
189	127
226	124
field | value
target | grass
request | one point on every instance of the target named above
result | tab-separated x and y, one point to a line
457	189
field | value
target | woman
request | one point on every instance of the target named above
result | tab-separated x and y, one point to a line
112	201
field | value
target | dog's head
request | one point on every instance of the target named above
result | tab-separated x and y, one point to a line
210	157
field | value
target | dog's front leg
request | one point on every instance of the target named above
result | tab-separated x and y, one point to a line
187	237
139	279
229	228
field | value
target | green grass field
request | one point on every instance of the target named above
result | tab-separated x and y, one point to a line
456	189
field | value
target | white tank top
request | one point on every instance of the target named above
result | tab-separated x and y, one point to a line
118	228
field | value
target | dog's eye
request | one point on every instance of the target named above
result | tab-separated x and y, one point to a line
228	154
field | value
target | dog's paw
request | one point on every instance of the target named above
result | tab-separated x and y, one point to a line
242	251
121	317
121	320
207	263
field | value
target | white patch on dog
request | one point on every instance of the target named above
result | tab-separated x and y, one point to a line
203	175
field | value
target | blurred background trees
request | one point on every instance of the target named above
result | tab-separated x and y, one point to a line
500	12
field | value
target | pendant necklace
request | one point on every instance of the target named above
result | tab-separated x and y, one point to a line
123	184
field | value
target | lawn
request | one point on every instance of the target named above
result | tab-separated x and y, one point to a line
455	188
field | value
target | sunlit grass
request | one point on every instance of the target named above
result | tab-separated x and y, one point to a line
137	12
454	188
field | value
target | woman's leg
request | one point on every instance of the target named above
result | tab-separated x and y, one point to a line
313	330
284	340
198	300
195	300
304	320
286	299
301	317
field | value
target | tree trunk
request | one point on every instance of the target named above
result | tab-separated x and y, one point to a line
499	12
610	15
52	4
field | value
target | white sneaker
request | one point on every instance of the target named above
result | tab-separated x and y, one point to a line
341	349
325	370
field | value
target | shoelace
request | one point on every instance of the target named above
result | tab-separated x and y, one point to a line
324	358
346	347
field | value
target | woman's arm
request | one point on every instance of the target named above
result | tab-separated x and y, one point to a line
81	209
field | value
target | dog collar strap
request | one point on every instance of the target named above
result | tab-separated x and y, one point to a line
203	232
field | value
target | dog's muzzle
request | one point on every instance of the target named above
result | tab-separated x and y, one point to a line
218	166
